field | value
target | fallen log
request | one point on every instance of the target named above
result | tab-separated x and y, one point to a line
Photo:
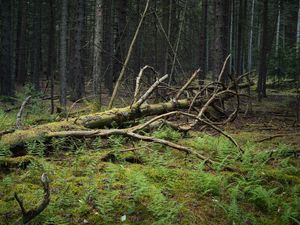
118	116
96	120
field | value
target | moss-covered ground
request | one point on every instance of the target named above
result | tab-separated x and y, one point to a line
121	181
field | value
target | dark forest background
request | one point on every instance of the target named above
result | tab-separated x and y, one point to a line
78	47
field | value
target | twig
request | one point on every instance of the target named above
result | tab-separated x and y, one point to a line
191	116
128	132
149	92
168	41
19	115
223	68
177	42
128	56
195	74
276	136
138	80
31	214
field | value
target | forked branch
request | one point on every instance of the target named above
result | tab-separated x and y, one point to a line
31	214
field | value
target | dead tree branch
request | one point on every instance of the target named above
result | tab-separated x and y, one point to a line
138	81
19	115
187	84
128	56
31	214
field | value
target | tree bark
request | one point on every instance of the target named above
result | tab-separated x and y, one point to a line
63	53
221	35
108	46
120	40
36	60
51	51
251	37
6	73
98	40
298	33
262	71
77	71
21	71
203	39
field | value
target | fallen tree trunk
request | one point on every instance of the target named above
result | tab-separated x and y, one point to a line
208	95
104	119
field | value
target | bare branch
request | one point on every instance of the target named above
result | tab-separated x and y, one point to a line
128	56
31	214
195	74
149	92
138	80
223	68
19	115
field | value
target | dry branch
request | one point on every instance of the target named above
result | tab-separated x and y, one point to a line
19	115
138	81
128	56
187	84
31	214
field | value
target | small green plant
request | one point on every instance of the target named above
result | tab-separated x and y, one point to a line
167	133
4	150
232	210
97	143
116	141
36	147
58	144
164	210
262	197
205	183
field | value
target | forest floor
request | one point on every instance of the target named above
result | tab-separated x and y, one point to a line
119	181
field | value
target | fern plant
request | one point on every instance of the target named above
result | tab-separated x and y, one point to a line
4	150
36	147
167	133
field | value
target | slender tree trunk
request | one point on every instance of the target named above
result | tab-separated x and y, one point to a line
21	71
262	71
203	40
166	58
108	46
98	39
298	33
120	40
278	33
63	54
239	57
51	51
6	73
77	71
221	35
251	37
36	45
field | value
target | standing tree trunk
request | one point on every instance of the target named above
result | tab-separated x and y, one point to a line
63	53
120	40
6	73
77	71
36	45
251	37
21	71
108	46
262	70
278	33
298	33
203	40
221	35
98	39
240	50
51	51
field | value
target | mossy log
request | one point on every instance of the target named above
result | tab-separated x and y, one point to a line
96	120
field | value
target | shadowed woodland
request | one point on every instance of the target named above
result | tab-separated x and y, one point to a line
149	112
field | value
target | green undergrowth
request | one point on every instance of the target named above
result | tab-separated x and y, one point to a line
95	181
